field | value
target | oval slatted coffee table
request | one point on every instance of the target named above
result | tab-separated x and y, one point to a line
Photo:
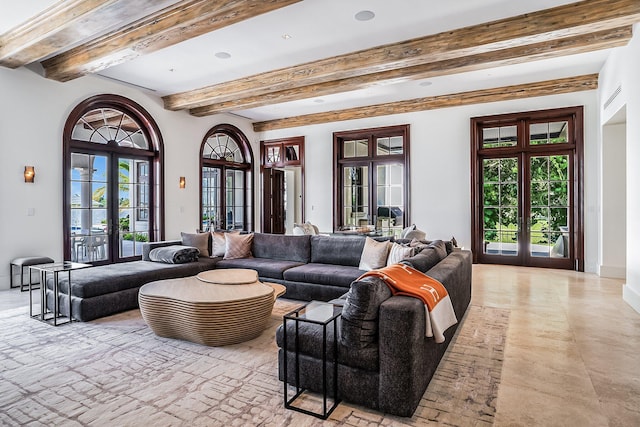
214	308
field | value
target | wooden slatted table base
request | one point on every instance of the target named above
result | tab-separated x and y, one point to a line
207	313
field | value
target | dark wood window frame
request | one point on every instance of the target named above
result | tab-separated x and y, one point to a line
247	166
155	155
371	160
575	115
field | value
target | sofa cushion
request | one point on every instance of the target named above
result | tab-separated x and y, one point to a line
337	250
197	240
374	254
310	344
324	274
106	279
360	312
266	268
238	246
281	247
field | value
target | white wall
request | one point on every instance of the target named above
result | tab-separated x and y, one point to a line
621	70
33	111
613	231
440	165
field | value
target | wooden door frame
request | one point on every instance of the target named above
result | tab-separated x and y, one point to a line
576	116
264	168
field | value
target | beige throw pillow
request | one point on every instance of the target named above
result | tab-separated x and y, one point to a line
197	240
374	254
238	245
399	252
219	242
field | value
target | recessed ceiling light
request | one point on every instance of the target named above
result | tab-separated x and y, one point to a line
223	55
426	83
364	15
286	36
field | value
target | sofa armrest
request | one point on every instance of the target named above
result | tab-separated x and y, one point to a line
401	346
147	247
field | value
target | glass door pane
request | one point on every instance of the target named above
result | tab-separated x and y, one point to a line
389	198
356	196
500	206
133	206
234	199
89	207
548	229
211	200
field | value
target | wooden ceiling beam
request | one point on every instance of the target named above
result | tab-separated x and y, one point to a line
560	22
179	22
506	93
568	46
66	24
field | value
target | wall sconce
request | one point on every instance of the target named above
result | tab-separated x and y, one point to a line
183	182
29	174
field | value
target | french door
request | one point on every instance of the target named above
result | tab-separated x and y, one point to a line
527	190
110	207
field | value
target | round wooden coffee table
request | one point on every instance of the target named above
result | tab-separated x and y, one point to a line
215	308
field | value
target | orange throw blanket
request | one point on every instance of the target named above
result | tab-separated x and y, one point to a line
404	280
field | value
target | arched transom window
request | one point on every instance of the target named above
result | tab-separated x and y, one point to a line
226	180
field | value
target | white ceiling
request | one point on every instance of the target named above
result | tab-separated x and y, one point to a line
321	29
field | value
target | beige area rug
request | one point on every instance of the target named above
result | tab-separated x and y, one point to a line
116	372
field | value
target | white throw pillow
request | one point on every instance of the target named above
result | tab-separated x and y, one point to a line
399	252
374	254
218	243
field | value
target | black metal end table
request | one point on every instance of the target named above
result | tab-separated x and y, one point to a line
52	316
319	313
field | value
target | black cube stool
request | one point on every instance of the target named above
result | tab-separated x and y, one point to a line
23	263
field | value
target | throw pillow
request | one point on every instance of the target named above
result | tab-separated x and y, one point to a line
440	247
197	240
416	234
406	230
399	252
374	254
359	326
432	254
298	230
418	245
238	245
219	242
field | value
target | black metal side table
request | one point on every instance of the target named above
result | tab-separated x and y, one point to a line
52	316
319	313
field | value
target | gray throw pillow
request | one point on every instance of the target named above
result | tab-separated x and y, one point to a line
360	312
426	259
197	240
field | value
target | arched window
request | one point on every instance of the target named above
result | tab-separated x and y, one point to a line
226	163
112	183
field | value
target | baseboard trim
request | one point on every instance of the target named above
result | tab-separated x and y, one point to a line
612	272
631	297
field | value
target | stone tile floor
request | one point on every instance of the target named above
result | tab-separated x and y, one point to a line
572	351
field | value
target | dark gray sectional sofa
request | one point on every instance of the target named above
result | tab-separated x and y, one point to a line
385	361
